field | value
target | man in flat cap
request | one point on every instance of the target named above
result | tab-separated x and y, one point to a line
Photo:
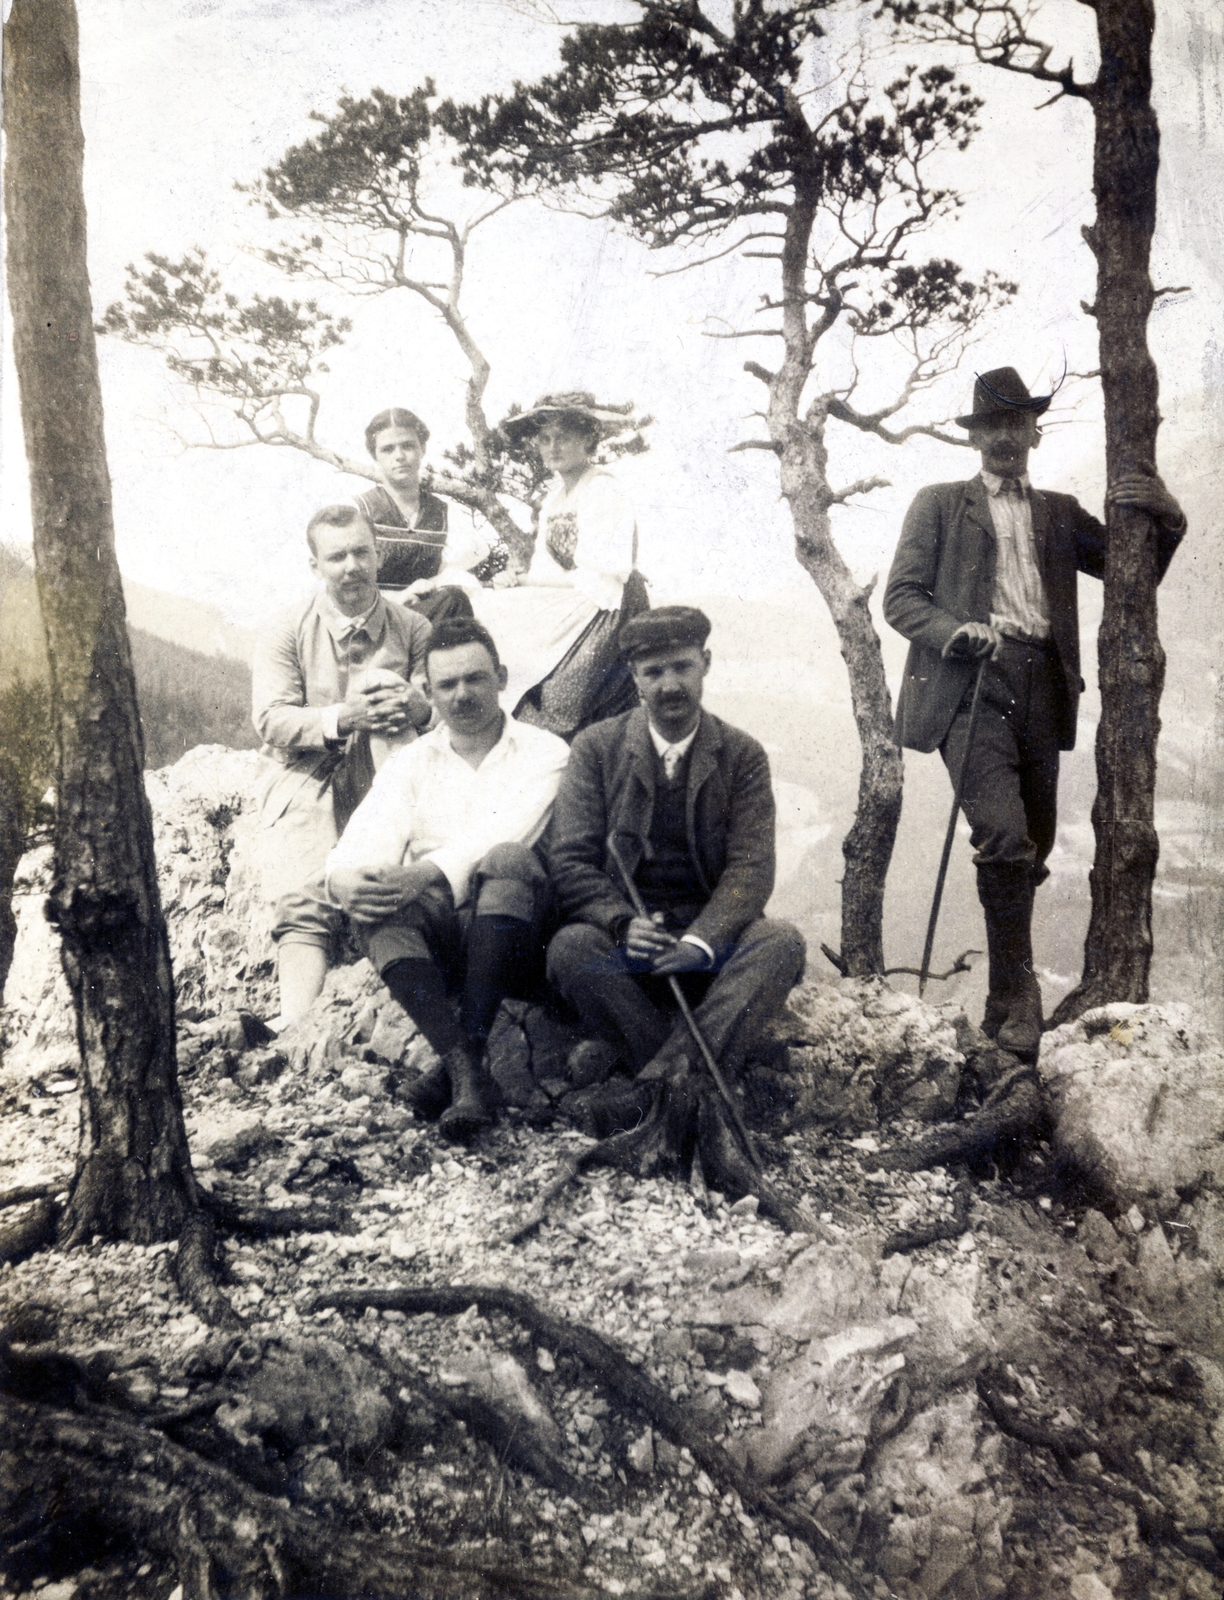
687	802
988	568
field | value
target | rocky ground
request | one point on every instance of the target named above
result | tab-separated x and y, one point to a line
1028	1406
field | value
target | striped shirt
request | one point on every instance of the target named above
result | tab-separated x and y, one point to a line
1019	607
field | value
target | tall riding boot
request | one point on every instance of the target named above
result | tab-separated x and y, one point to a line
474	1095
1013	1009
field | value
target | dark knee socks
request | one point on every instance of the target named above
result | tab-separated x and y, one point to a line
418	986
498	963
1006	893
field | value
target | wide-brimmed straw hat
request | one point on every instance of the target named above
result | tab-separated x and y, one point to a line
1000	393
568	403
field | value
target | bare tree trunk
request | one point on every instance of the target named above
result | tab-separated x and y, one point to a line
868	846
134	1175
804	468
12	842
1126	159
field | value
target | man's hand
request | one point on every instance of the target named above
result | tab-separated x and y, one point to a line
387	709
371	894
683	957
974	640
646	939
1147	492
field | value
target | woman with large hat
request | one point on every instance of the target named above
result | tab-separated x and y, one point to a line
556	624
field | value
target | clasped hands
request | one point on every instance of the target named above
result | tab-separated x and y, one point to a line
371	894
646	939
388	709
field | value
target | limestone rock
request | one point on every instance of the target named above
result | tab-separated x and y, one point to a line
502	1383
937	1521
227	1137
309	1390
1138	1100
868	1052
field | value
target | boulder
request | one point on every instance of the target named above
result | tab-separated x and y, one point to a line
304	1391
866	1052
1138	1101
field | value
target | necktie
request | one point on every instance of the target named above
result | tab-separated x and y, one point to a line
1012	487
672	757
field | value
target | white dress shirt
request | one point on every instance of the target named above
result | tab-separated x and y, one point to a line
672	754
428	804
1019	606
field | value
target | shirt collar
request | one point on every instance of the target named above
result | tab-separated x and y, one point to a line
662	745
441	737
340	626
994	482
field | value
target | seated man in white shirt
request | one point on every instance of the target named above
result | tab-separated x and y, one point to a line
437	873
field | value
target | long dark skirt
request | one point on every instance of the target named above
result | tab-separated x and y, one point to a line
591	681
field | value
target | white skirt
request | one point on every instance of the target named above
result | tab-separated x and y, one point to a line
533	628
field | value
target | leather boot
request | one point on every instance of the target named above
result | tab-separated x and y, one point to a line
474	1096
1013	1008
430	1095
1021	1033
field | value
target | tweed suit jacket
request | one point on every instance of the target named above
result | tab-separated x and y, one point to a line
609	787
943	575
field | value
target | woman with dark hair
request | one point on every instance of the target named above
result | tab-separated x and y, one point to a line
418	564
558	622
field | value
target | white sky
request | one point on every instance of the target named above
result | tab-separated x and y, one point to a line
181	98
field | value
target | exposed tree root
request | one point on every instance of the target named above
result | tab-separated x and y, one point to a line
31	1232
945	1228
195	1272
276	1222
224	1537
23	1193
658	1130
1013	1110
613	1369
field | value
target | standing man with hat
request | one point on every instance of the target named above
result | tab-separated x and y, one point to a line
686	801
988	568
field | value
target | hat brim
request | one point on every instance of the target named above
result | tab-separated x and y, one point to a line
1035	407
608	422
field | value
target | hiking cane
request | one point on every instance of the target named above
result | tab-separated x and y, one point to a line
951	833
707	1055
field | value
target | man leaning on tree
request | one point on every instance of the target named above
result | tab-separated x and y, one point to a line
987	568
687	802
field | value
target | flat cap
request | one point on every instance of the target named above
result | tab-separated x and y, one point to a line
664	628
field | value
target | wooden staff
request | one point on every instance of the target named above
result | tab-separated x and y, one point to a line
925	969
707	1055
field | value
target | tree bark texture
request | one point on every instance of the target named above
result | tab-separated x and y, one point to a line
134	1176
12	843
1126	160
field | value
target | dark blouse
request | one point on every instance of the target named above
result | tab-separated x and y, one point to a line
405	554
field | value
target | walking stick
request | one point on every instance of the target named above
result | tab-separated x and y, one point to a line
951	833
707	1055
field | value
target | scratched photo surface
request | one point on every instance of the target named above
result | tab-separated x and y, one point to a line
184	101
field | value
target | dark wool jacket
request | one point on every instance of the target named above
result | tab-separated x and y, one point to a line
944	575
609	785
